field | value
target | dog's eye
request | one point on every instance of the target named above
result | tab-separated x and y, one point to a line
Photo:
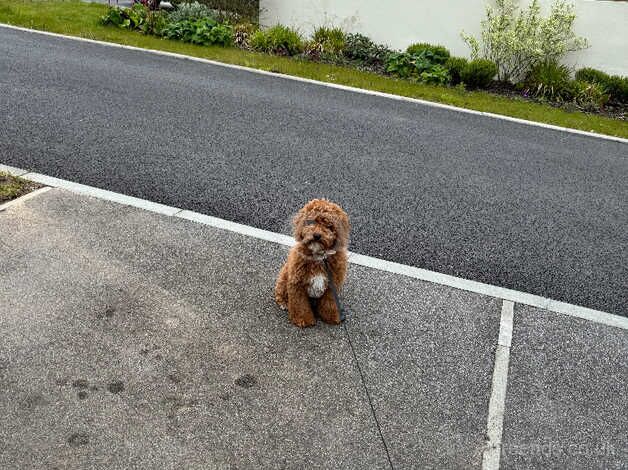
309	222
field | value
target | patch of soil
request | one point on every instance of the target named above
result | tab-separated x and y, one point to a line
12	187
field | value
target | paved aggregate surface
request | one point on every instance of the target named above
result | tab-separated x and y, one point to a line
133	339
512	205
567	394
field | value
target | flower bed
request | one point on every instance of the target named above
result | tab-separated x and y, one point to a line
525	70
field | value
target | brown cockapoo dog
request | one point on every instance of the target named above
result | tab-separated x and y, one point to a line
321	230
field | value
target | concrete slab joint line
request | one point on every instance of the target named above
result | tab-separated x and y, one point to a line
495	421
368	396
325	84
503	293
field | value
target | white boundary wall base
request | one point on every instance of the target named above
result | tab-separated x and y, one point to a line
400	23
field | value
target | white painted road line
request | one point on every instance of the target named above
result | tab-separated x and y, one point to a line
12	170
326	84
235	227
101	193
532	300
577	311
497	403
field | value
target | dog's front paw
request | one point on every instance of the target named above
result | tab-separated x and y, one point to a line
303	322
328	310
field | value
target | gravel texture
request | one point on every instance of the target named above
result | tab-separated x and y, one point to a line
567	394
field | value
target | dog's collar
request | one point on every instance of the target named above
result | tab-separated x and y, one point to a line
324	256
320	258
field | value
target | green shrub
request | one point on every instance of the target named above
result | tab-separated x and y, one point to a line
114	16
128	18
517	41
405	65
435	75
332	40
362	49
313	50
455	66
155	23
190	11
435	54
242	34
478	73
204	31
616	86
402	65
232	11
590	75
549	80
279	39
588	96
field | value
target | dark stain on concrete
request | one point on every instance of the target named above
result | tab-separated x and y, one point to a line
246	381
80	383
78	439
116	387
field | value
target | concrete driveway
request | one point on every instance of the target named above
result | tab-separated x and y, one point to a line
132	339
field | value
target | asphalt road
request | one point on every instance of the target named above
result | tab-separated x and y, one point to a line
522	207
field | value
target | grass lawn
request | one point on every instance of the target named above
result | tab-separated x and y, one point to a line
12	187
82	19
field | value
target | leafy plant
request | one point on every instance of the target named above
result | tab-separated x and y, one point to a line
591	75
616	86
362	49
332	40
435	75
231	11
242	33
401	64
455	65
128	18
588	96
406	65
155	22
279	39
435	54
152	5
204	31
190	11
114	16
549	80
517	41
478	73
313	50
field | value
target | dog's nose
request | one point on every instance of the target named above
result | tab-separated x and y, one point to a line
317	236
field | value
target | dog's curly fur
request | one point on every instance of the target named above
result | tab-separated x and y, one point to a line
321	230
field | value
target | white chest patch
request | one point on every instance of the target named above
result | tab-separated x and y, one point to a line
317	286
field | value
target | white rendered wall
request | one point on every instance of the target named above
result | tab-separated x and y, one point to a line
398	23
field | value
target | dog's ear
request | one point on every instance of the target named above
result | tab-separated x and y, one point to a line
297	223
342	226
